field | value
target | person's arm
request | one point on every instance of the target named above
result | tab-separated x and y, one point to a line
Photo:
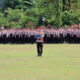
42	35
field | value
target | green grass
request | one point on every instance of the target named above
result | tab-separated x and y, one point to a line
59	62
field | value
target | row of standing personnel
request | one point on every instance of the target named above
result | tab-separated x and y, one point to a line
18	36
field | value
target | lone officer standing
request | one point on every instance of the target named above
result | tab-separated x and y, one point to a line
39	40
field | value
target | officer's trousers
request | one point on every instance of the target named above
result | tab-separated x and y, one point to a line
39	48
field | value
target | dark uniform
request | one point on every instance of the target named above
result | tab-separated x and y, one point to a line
0	36
61	35
39	41
32	36
4	35
51	36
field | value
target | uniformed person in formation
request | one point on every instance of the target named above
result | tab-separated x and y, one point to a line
39	40
21	36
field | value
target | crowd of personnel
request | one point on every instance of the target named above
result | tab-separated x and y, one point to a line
22	36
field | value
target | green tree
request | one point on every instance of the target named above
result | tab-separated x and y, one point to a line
58	13
16	17
20	4
44	8
25	12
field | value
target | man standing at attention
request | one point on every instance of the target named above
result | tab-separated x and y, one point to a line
39	40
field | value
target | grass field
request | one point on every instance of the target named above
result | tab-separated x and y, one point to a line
59	62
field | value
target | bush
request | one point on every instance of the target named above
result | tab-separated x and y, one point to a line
71	17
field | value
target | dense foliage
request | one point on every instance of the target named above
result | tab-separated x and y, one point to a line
32	13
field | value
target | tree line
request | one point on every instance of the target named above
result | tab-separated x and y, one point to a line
32	13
